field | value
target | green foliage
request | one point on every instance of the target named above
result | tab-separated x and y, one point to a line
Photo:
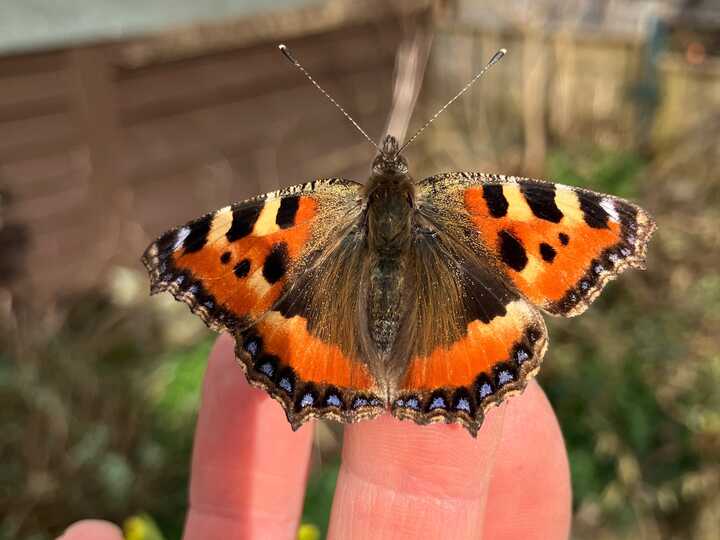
97	420
634	381
319	496
607	171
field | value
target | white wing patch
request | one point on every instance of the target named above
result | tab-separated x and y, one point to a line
182	234
609	206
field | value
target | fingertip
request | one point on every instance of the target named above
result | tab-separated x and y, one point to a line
249	467
92	529
221	363
530	492
402	480
444	459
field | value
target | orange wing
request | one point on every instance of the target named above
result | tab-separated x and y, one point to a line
558	245
460	382
236	266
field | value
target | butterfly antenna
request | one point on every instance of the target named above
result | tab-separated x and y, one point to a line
291	58
494	60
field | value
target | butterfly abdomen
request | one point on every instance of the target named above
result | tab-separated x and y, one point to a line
386	295
390	202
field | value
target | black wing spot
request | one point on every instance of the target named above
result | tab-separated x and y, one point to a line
512	251
594	214
564	238
495	200
197	237
244	219
225	257
242	269
547	252
541	200
276	263
285	217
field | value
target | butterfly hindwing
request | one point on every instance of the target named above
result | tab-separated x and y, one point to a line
461	382
470	339
308	376
558	245
237	269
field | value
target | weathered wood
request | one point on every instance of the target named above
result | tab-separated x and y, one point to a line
98	156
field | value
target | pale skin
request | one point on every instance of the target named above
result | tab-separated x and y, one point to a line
397	480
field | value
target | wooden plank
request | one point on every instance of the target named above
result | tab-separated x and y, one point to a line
196	96
24	64
47	207
225	75
94	109
313	20
21	136
174	143
27	172
17	90
41	187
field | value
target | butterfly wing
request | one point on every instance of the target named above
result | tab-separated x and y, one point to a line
558	245
489	250
469	340
248	269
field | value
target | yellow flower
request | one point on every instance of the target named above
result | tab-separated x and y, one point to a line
141	527
308	531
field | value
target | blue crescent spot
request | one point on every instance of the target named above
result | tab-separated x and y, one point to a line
267	369
505	377
463	405
485	390
437	403
285	385
333	401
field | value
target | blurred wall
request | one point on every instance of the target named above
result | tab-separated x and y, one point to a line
107	144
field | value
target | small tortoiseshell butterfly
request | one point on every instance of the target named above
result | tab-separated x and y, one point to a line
421	298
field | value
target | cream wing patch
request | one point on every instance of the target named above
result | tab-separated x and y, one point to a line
266	222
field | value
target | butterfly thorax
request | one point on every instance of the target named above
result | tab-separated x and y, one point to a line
390	201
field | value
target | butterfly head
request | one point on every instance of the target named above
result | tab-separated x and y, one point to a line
389	162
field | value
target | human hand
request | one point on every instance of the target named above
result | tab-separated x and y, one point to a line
397	480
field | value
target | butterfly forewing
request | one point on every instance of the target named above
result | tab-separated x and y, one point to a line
250	269
558	245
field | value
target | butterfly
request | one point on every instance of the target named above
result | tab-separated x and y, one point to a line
422	298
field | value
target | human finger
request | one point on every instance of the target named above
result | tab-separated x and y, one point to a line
399	480
249	468
530	495
92	529
441	483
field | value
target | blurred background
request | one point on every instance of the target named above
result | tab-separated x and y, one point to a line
119	120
